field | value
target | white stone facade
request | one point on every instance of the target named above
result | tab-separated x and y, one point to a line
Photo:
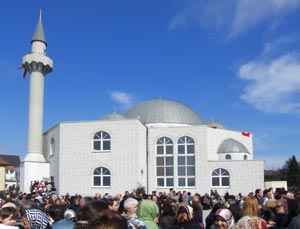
68	147
74	160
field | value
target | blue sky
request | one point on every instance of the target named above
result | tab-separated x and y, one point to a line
238	61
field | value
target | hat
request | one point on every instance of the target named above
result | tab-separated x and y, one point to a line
227	215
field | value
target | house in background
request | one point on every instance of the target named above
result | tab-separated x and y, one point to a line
8	171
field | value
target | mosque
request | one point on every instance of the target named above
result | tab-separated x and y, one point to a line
158	144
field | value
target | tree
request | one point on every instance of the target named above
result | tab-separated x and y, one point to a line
291	172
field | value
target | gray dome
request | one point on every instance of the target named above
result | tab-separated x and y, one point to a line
215	124
114	116
164	111
232	146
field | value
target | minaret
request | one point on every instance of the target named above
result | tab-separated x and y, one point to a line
34	166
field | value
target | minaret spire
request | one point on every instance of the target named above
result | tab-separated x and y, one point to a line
39	34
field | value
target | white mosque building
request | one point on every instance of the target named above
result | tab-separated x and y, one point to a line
159	144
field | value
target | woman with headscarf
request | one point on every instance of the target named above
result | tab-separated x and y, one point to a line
250	219
148	213
185	218
223	219
35	219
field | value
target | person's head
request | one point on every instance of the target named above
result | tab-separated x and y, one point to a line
113	204
266	193
168	209
258	193
147	210
56	212
109	219
231	199
58	201
35	219
197	197
154	198
8	216
90	211
250	207
130	205
223	219
185	213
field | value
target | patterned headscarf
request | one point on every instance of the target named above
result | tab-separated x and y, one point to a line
188	210
37	219
226	215
250	222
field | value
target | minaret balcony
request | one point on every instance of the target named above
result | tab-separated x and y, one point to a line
36	62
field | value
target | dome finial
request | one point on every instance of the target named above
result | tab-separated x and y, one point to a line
41	13
212	119
115	110
159	96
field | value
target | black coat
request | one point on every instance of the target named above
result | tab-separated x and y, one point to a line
236	211
295	223
187	225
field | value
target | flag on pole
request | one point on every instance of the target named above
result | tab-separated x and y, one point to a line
247	134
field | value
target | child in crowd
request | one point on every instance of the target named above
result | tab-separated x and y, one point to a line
8	217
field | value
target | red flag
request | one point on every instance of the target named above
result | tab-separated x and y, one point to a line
247	134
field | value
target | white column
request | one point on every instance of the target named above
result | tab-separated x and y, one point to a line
35	122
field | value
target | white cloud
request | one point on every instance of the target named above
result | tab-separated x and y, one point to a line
249	13
123	98
280	44
205	14
231	18
273	86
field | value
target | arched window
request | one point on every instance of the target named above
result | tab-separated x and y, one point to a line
245	157
164	162
101	177
186	162
220	178
101	141
52	147
228	157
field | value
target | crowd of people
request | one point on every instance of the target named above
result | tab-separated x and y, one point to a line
43	209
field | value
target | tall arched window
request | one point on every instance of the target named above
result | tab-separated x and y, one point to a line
101	141
52	147
164	162
101	177
220	178
186	162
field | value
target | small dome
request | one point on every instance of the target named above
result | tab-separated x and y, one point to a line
216	125
114	116
232	146
164	111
